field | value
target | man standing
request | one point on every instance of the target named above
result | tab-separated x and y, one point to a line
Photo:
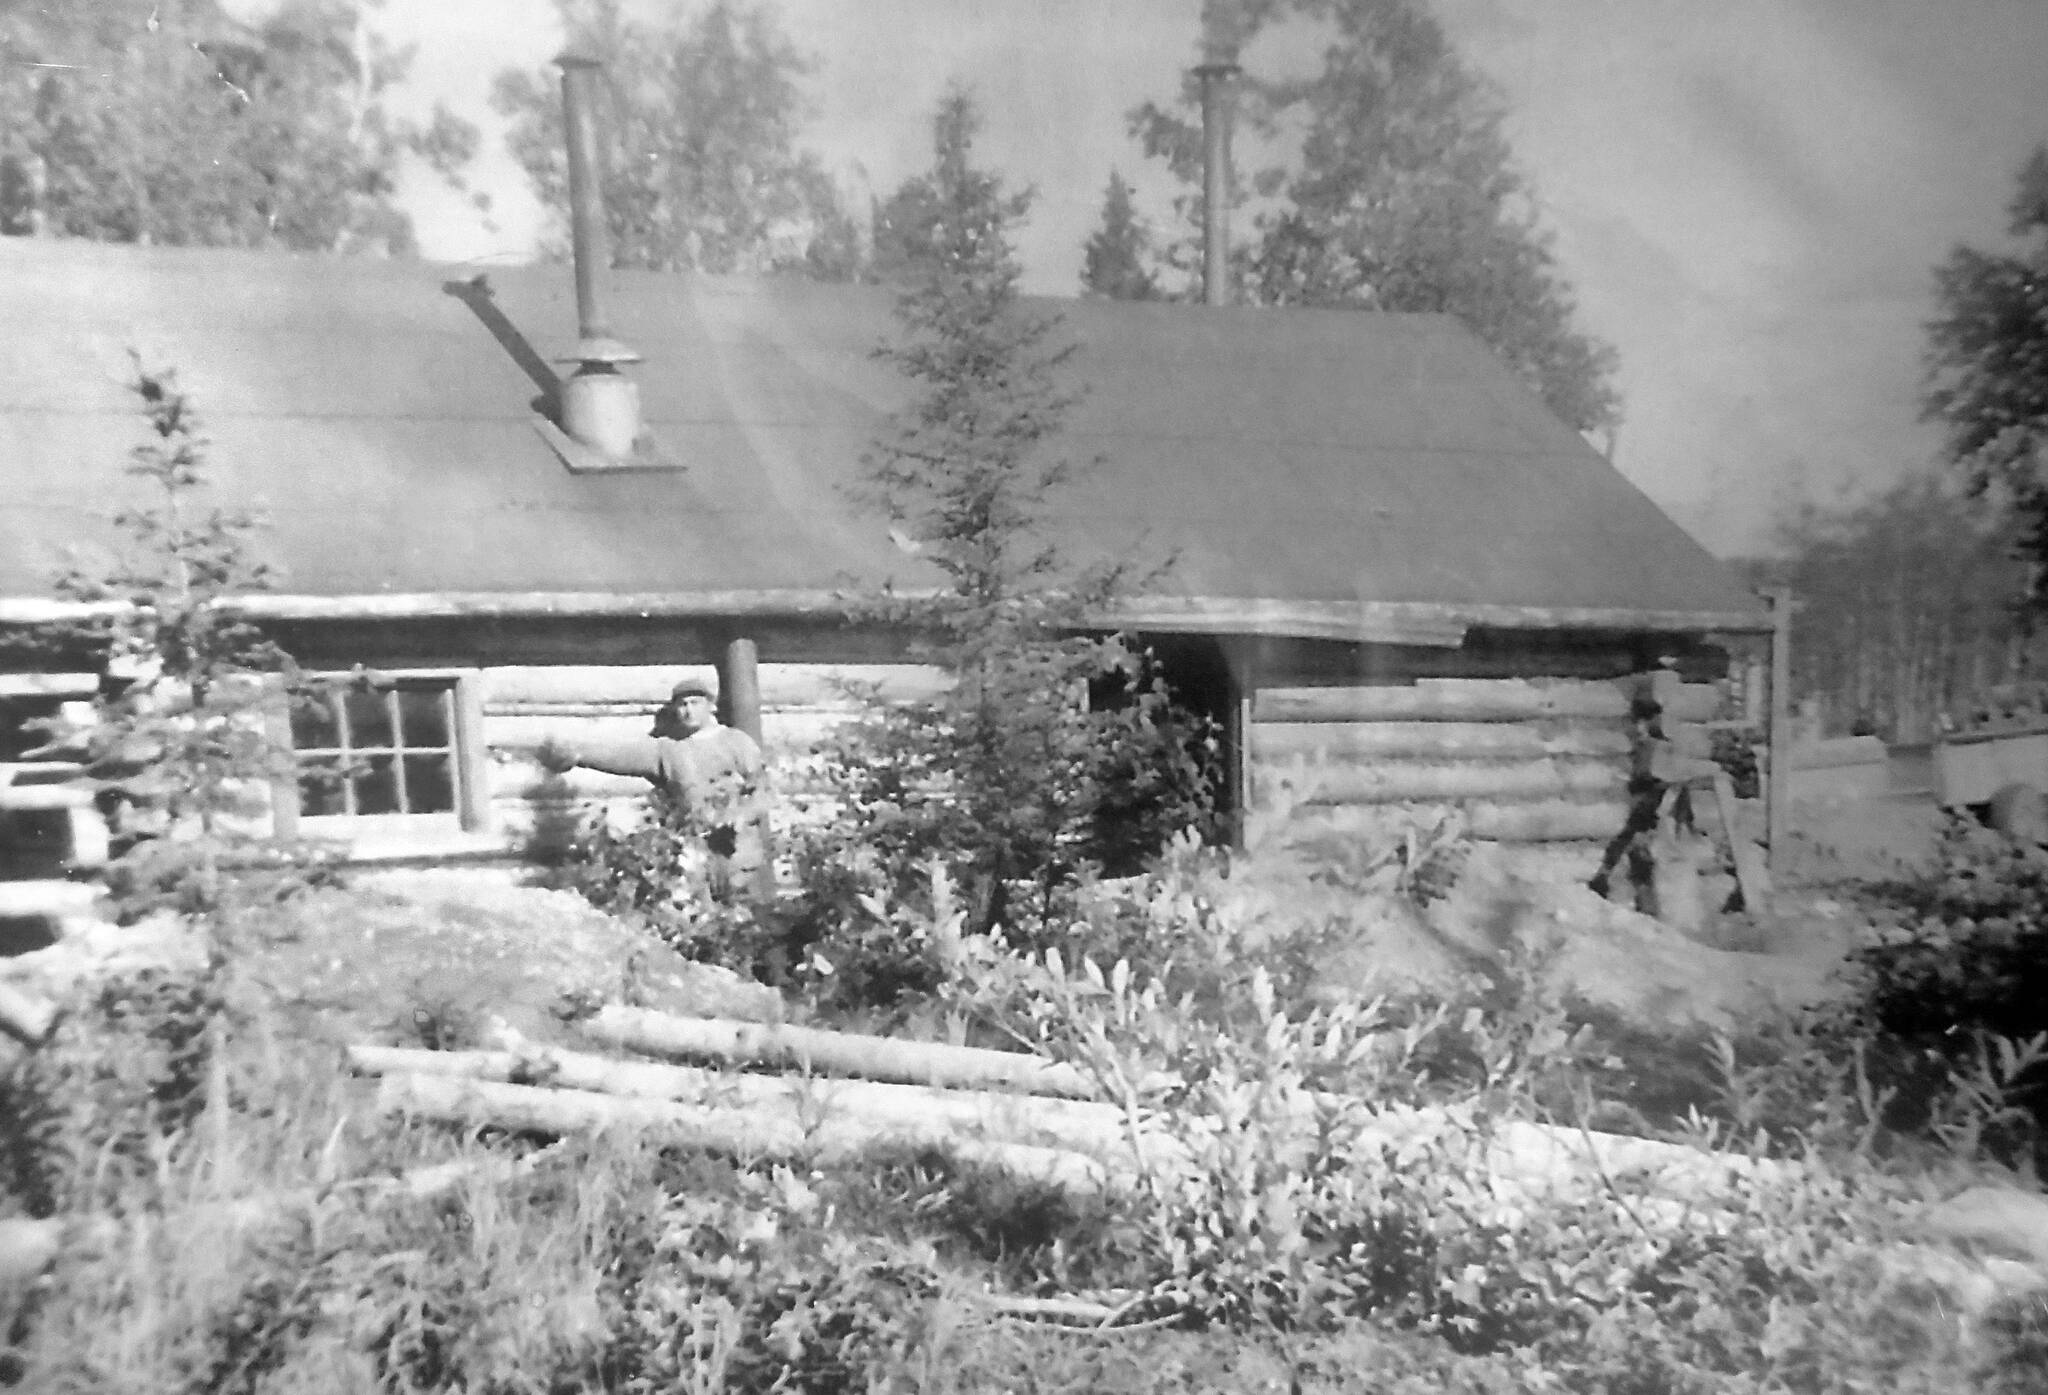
712	772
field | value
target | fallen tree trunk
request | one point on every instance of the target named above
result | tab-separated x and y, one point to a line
766	1130
807	1048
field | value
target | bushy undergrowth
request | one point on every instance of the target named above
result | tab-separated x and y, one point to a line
1955	987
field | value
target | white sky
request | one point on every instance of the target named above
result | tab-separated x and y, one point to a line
1748	195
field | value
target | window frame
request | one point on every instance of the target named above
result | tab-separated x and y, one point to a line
471	811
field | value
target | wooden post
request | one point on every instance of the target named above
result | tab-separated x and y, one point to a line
739	687
1240	656
473	769
1778	791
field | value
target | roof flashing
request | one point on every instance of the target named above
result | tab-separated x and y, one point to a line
579	458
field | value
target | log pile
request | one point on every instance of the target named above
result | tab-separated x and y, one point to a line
1008	1110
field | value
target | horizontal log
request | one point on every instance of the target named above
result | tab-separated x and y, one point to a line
1529	1163
39	772
1272	741
757	1133
1539	821
919	1110
1443	700
49	685
1410	782
31	798
782	685
807	1048
49	898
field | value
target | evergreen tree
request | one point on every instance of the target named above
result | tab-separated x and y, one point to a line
1012	773
1402	193
701	122
1114	262
1987	368
182	746
168	122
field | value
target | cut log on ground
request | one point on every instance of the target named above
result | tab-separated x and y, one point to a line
807	1048
761	1132
26	1015
917	1111
775	1116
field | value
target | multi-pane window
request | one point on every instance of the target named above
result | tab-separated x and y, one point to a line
387	749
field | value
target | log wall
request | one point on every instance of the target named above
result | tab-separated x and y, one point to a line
1544	763
524	705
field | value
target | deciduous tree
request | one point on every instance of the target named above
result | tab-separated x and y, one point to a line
1388	184
1906	606
701	123
1987	368
167	121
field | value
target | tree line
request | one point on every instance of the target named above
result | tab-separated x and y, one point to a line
172	122
1919	601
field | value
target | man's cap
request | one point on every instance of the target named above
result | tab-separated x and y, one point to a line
693	687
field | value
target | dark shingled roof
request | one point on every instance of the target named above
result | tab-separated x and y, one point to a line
1283	457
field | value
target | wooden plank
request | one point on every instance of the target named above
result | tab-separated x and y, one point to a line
1751	873
1444	700
1443	740
1404	782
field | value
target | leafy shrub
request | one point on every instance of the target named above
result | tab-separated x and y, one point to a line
124	1073
1956	986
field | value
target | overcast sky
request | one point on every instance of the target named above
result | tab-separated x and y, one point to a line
1748	195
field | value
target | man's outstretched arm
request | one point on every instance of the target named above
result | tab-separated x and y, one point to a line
632	755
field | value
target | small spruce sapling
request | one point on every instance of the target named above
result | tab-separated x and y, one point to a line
181	746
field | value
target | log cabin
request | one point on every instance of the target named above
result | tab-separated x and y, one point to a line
1395	579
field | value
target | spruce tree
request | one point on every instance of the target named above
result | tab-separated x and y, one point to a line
1114	262
1013	774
